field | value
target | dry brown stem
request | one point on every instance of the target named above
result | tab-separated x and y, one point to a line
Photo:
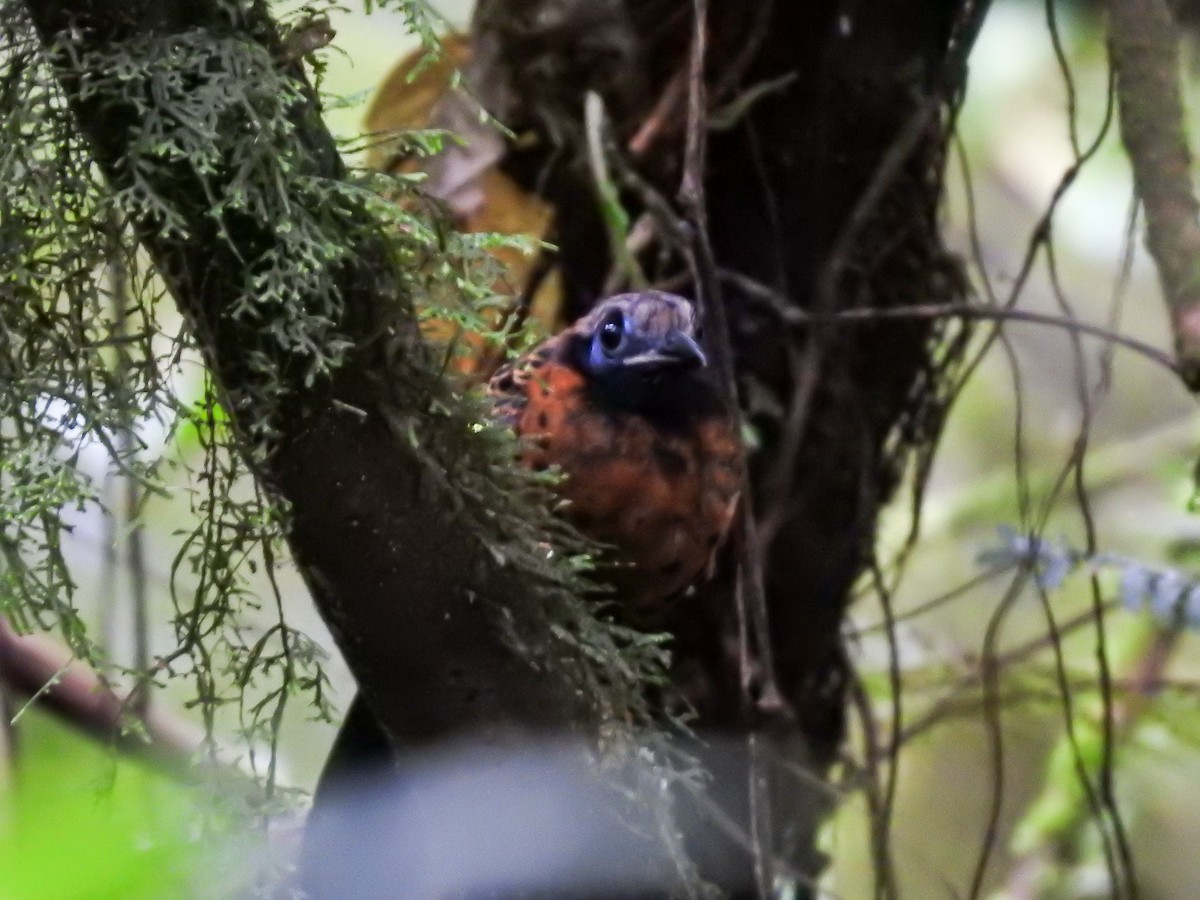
36	666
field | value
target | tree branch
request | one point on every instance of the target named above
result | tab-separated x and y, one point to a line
1144	42
412	595
48	674
778	183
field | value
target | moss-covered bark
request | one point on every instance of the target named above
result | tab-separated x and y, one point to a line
398	569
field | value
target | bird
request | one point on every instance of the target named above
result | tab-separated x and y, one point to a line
625	404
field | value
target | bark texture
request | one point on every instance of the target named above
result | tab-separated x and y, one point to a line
822	188
823	184
1144	42
384	558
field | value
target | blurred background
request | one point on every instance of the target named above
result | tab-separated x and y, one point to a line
1010	437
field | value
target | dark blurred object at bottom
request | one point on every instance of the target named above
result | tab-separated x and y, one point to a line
475	822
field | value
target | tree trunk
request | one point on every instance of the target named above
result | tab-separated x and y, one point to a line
822	195
388	563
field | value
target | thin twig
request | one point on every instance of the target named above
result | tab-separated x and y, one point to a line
49	674
974	678
759	681
768	698
8	749
976	311
837	264
127	442
1117	853
1119	719
616	220
881	818
763	11
661	117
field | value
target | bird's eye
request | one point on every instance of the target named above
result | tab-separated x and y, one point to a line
612	333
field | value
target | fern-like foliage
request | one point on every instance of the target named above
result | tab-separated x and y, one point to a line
215	109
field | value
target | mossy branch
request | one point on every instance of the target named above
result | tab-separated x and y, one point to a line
425	551
1144	42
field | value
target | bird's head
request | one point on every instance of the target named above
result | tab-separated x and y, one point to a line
644	334
639	354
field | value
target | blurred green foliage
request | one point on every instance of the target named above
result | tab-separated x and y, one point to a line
79	823
82	825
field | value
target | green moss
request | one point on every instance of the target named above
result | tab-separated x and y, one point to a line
213	110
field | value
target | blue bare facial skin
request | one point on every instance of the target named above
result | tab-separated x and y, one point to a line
639	355
618	344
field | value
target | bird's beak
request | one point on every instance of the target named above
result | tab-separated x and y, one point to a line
683	347
678	349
